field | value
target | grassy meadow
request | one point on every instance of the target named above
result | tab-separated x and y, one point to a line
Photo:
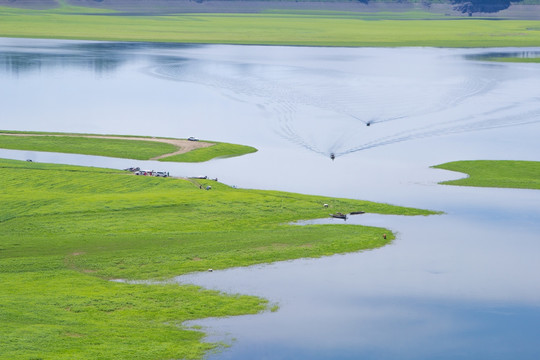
496	173
139	149
65	231
314	28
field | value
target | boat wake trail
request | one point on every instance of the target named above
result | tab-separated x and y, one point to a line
331	111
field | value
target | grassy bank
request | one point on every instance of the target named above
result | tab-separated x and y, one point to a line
490	173
66	230
283	28
138	148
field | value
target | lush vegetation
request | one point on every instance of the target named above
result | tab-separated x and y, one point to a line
139	149
292	28
66	230
490	173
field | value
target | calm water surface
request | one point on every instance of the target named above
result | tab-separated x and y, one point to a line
460	285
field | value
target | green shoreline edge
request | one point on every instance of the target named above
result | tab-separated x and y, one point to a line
145	149
495	173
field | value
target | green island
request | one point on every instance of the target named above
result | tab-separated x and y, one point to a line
278	27
122	146
496	173
66	231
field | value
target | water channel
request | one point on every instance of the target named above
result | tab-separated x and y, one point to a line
459	285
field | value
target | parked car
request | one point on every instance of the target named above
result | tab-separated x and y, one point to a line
161	174
191	138
144	172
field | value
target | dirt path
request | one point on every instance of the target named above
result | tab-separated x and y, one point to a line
183	146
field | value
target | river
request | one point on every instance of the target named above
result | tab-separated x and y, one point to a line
459	285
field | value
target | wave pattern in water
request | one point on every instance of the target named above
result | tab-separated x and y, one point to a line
342	112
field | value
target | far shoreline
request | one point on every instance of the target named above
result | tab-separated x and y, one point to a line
414	28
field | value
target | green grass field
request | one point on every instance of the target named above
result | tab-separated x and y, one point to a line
143	149
490	173
272	28
66	230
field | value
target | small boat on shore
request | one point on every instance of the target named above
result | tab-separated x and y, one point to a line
357	213
339	216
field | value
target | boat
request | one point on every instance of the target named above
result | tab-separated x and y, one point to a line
332	156
339	216
357	213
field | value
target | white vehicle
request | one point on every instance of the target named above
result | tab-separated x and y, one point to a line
191	138
144	172
161	174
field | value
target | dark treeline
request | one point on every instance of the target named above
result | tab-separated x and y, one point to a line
466	6
487	6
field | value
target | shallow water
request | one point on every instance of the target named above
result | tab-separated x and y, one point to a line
459	285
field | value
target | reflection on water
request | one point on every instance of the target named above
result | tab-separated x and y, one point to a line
96	57
17	64
523	54
459	285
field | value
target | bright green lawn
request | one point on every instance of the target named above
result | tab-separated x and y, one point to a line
292	28
66	230
490	173
129	149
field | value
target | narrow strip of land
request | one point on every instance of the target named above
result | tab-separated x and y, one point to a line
183	146
131	147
